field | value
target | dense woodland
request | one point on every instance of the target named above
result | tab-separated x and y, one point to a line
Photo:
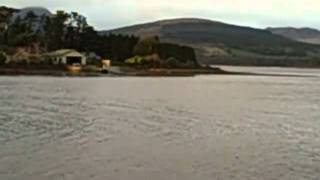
71	31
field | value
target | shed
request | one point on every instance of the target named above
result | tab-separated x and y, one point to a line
67	57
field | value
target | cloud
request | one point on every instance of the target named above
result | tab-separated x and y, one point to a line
115	13
51	4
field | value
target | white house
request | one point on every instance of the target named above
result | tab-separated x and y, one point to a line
67	57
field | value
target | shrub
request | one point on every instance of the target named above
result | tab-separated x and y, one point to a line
3	58
172	62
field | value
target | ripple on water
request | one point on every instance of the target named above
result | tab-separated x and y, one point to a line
208	127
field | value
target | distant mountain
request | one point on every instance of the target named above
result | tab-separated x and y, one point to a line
221	43
9	15
40	14
37	11
307	35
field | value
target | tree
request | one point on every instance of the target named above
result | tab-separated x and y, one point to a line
55	30
78	21
19	34
30	18
115	47
146	46
76	26
3	58
183	54
172	62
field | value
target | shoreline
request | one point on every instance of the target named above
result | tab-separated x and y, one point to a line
160	72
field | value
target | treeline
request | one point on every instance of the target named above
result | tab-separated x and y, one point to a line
71	31
150	52
168	50
115	47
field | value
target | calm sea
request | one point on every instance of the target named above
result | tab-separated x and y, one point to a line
192	128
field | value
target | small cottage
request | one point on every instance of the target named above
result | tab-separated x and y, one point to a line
67	57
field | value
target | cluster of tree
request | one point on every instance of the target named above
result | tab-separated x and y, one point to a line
184	54
116	47
71	31
5	14
3	58
160	54
20	32
66	30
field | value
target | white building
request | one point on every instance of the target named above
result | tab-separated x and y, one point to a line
67	57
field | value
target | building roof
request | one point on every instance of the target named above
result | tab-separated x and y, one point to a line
63	52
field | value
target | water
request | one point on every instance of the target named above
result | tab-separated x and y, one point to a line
206	127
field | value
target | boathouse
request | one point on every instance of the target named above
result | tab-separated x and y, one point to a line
67	57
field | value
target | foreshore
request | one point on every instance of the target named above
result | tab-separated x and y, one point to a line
121	71
168	72
27	72
125	71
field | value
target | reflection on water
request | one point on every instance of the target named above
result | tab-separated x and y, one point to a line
206	127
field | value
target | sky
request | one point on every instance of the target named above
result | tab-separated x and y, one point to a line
110	14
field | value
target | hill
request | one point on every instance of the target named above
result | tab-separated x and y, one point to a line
39	15
221	43
307	35
5	16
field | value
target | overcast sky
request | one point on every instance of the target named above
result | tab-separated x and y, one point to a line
108	14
